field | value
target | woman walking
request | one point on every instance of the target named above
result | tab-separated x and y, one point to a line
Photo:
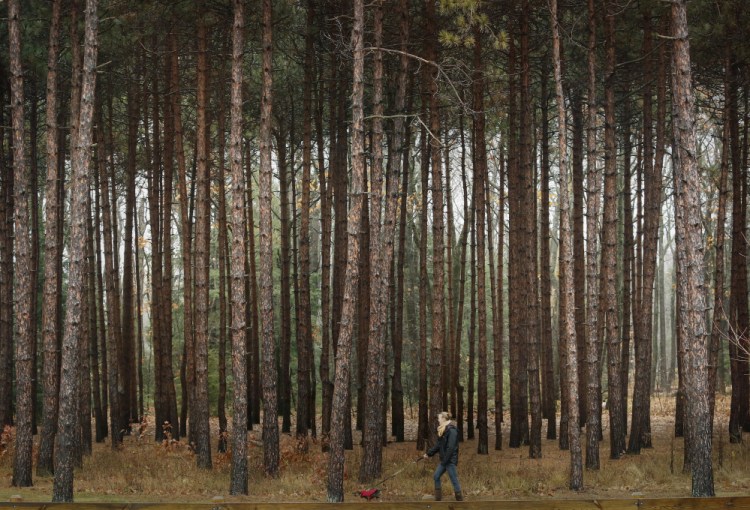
447	447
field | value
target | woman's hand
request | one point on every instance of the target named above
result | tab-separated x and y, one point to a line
425	456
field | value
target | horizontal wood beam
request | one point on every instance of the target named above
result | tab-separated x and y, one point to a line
723	503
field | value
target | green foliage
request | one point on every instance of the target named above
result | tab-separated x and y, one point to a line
466	17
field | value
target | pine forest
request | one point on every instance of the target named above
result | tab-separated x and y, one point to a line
248	236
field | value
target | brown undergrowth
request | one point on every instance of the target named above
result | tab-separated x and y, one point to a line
145	471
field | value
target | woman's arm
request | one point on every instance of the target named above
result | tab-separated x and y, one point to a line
452	443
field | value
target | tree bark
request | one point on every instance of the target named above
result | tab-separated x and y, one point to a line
423	434
199	426
325	269
94	332
285	326
169	394
740	365
335	484
6	282
480	176
593	184
549	397
402	144
52	252
627	265
472	324
438	271
719	317
22	291
381	256
568	333
519	409
530	284
224	283
239	470
579	258
689	242
270	397
69	380
468	213
253	359
609	248
305	354
186	243
100	284
652	172
127	353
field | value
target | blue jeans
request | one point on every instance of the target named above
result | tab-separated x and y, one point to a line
451	469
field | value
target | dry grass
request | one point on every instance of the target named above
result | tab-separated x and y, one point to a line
145	471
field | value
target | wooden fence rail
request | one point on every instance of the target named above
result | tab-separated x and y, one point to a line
732	503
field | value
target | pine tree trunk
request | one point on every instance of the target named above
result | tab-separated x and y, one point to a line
139	261
335	484
52	252
739	286
127	353
341	227
22	291
609	249
269	376
472	322
549	398
438	271
94	331
719	318
480	176
567	332
86	339
381	256
166	382
305	412
103	431
593	184
458	333
70	372
253	363
402	144
563	357
423	420
499	311
186	242
579	259
689	242
6	280
519	423
363	305
325	268
530	284
652	170
113	308
496	318
628	257
224	283
155	200
449	393
239	469
285	326
199	426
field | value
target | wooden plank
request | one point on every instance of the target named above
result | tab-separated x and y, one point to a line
721	503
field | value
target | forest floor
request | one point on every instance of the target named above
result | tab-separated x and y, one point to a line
144	471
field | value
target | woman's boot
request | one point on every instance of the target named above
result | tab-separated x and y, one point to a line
459	496
438	494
